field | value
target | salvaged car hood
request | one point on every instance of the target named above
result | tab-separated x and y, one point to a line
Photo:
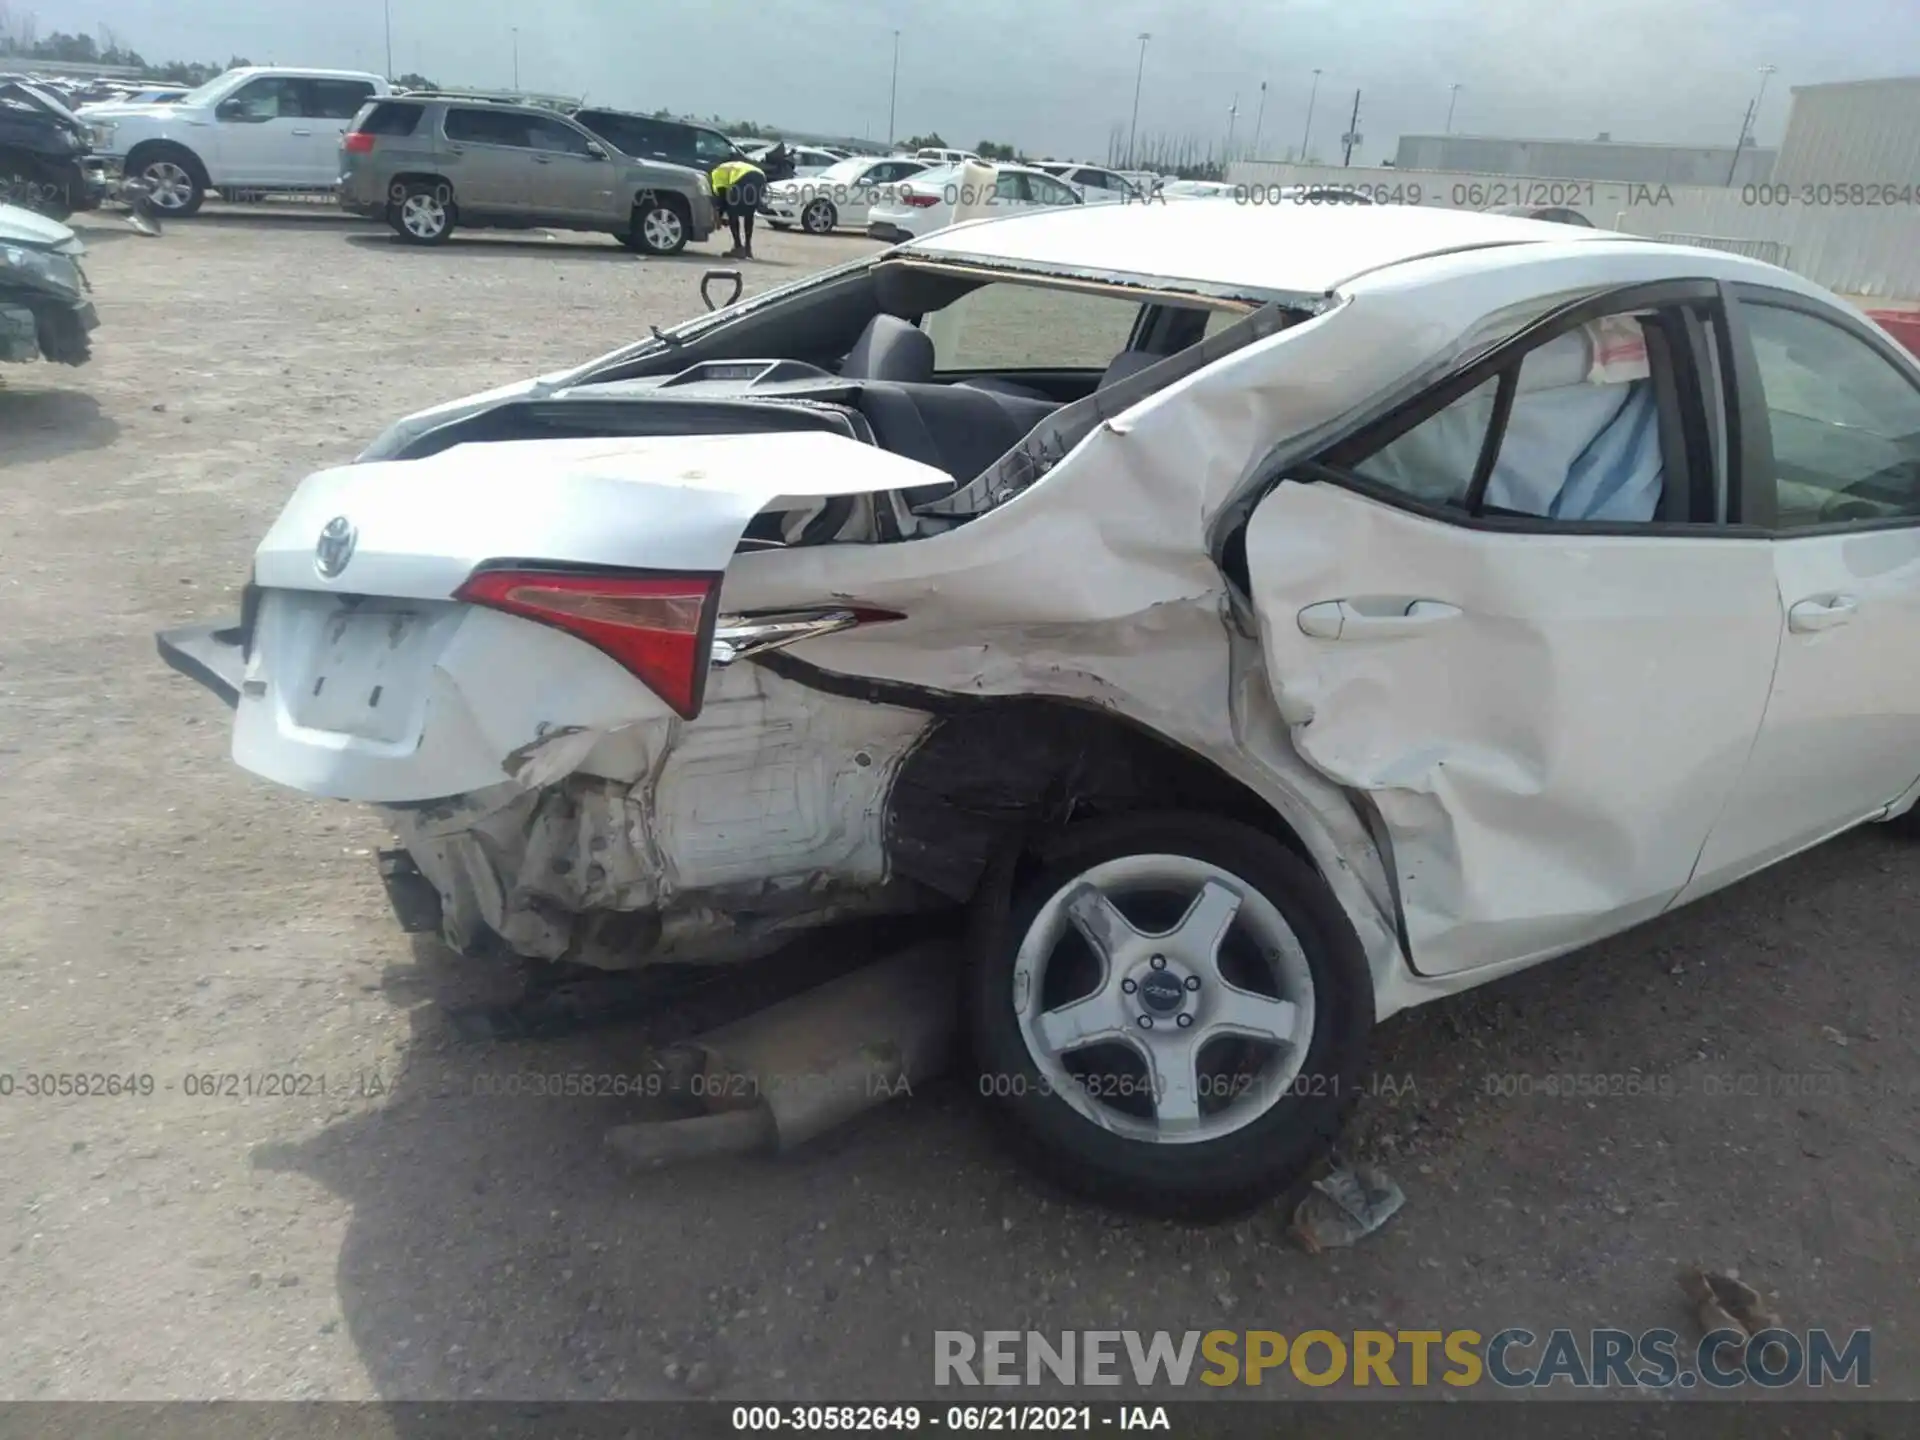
678	503
22	227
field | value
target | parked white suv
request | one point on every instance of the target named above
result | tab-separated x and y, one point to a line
256	128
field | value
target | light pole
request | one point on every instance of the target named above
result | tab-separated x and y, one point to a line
516	59
1233	118
893	94
1452	100
1306	134
1133	130
1746	121
1259	119
388	6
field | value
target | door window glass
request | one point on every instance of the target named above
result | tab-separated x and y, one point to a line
271	97
1845	422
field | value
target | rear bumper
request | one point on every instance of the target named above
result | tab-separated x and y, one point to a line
209	654
362	195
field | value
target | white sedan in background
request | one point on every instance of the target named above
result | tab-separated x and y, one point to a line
936	199
1096	184
842	194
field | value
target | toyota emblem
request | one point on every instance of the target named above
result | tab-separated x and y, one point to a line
335	547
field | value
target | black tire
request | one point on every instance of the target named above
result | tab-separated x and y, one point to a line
177	179
660	225
1198	1180
819	218
422	212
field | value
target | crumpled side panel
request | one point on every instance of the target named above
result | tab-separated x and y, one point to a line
1548	761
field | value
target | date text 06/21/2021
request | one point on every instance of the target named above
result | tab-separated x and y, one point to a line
964	1419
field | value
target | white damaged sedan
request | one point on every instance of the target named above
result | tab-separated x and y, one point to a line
1252	621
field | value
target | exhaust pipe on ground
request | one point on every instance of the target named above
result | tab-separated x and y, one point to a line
794	1071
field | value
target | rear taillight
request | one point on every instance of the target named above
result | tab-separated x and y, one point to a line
660	628
921	202
360	142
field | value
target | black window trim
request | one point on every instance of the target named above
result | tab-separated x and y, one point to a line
1326	466
1759	500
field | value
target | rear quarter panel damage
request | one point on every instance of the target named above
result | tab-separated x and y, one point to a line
668	839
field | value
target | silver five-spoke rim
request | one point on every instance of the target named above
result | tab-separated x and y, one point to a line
423	216
170	187
1206	960
819	217
662	228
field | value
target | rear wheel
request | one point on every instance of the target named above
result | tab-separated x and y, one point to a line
819	218
172	176
421	211
1173	1014
659	226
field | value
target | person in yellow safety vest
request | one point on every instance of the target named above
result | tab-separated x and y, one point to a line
738	186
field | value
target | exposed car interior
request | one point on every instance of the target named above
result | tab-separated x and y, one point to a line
856	358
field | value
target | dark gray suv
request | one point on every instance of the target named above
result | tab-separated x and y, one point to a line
428	163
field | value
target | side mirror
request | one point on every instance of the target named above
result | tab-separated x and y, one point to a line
597	151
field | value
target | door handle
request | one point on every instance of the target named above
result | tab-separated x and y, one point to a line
542	160
1374	619
1821	613
303	132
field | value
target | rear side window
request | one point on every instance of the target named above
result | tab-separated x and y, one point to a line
487	127
711	148
387	118
1030	327
337	99
1584	438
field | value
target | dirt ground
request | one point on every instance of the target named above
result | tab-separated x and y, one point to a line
409	1235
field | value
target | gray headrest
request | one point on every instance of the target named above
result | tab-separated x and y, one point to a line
890	349
1127	362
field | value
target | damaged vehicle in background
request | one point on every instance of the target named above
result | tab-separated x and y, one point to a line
44	310
46	161
1253	621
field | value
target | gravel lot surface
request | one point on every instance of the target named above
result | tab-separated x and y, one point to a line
406	1235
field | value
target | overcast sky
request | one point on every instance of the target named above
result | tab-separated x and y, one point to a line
1056	78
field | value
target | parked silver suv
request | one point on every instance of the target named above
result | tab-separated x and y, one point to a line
427	163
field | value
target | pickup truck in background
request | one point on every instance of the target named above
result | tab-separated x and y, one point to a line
252	129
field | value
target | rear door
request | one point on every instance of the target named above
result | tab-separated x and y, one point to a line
876	184
1044	191
1509	619
328	108
1833	410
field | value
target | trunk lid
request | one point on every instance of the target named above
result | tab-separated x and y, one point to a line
416	529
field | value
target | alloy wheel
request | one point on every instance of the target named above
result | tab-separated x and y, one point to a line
1164	999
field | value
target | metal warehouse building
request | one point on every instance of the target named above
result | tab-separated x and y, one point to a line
1857	130
1601	159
